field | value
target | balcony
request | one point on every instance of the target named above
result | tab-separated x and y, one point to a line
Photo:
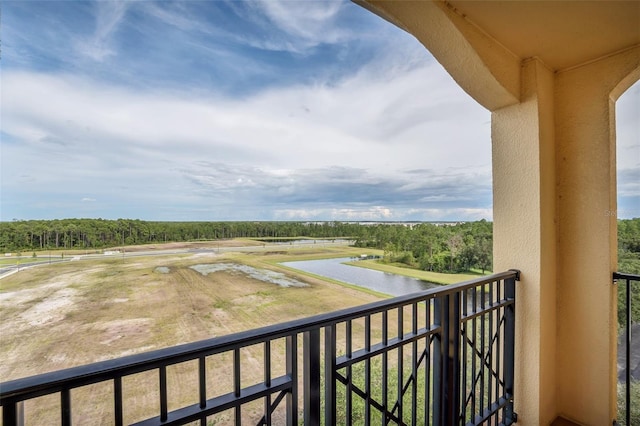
440	357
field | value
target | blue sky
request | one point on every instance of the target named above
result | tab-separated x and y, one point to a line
242	110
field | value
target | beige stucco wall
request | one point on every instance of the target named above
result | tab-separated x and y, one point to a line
585	132
524	235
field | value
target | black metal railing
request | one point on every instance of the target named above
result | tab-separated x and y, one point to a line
627	279
441	357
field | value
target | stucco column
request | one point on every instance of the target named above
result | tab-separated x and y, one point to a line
587	241
524	235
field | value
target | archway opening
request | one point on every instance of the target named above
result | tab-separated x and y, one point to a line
628	217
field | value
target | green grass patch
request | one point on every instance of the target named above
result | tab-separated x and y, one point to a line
222	304
294	255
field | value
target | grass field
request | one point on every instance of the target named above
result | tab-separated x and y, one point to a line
67	314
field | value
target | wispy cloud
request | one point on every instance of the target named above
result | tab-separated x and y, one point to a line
108	16
304	24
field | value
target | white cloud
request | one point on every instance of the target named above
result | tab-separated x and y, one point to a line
116	140
348	124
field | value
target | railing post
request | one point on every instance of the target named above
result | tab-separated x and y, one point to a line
452	364
439	361
627	361
292	372
330	375
65	407
311	352
509	345
628	279
118	413
446	361
13	414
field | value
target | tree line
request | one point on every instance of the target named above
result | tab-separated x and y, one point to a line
27	235
434	247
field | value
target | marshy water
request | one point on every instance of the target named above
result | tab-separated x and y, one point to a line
259	274
383	282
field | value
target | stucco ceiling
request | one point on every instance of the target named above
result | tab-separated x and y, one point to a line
563	34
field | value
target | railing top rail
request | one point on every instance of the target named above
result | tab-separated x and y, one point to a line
625	276
55	381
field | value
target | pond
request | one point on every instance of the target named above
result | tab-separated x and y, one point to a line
383	282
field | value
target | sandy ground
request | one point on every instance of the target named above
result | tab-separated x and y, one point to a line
71	314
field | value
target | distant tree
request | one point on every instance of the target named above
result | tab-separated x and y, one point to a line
484	250
455	245
629	262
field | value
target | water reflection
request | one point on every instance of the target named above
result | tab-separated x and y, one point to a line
394	285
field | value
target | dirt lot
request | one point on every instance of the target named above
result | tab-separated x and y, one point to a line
64	315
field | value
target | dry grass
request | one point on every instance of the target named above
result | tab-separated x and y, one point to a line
70	314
